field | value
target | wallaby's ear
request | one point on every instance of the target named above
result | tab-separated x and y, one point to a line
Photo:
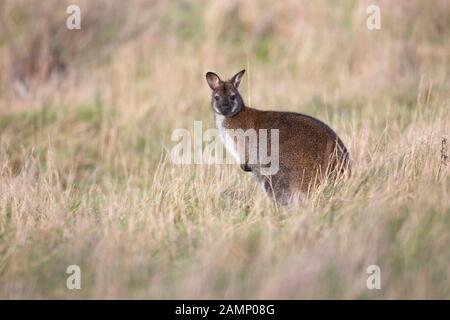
213	80
236	80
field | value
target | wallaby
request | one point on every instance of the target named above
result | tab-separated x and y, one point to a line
309	150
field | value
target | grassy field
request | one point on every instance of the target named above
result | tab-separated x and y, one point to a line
85	177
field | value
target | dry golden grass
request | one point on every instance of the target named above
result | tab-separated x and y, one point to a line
85	178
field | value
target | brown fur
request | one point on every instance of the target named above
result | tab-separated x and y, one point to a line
309	150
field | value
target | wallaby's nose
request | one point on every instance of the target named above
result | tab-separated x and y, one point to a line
226	108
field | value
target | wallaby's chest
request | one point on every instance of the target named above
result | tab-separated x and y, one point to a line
227	138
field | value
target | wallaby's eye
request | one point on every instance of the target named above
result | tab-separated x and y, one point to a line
216	97
233	97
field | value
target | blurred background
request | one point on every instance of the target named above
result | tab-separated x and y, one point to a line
85	122
323	47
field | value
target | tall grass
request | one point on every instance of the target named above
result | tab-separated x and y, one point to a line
85	177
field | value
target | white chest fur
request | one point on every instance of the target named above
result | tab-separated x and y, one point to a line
227	140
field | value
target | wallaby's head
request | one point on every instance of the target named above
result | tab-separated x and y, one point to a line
226	99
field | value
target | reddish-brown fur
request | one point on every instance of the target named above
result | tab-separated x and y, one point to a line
309	150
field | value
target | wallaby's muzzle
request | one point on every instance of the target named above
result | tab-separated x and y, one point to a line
228	110
225	109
